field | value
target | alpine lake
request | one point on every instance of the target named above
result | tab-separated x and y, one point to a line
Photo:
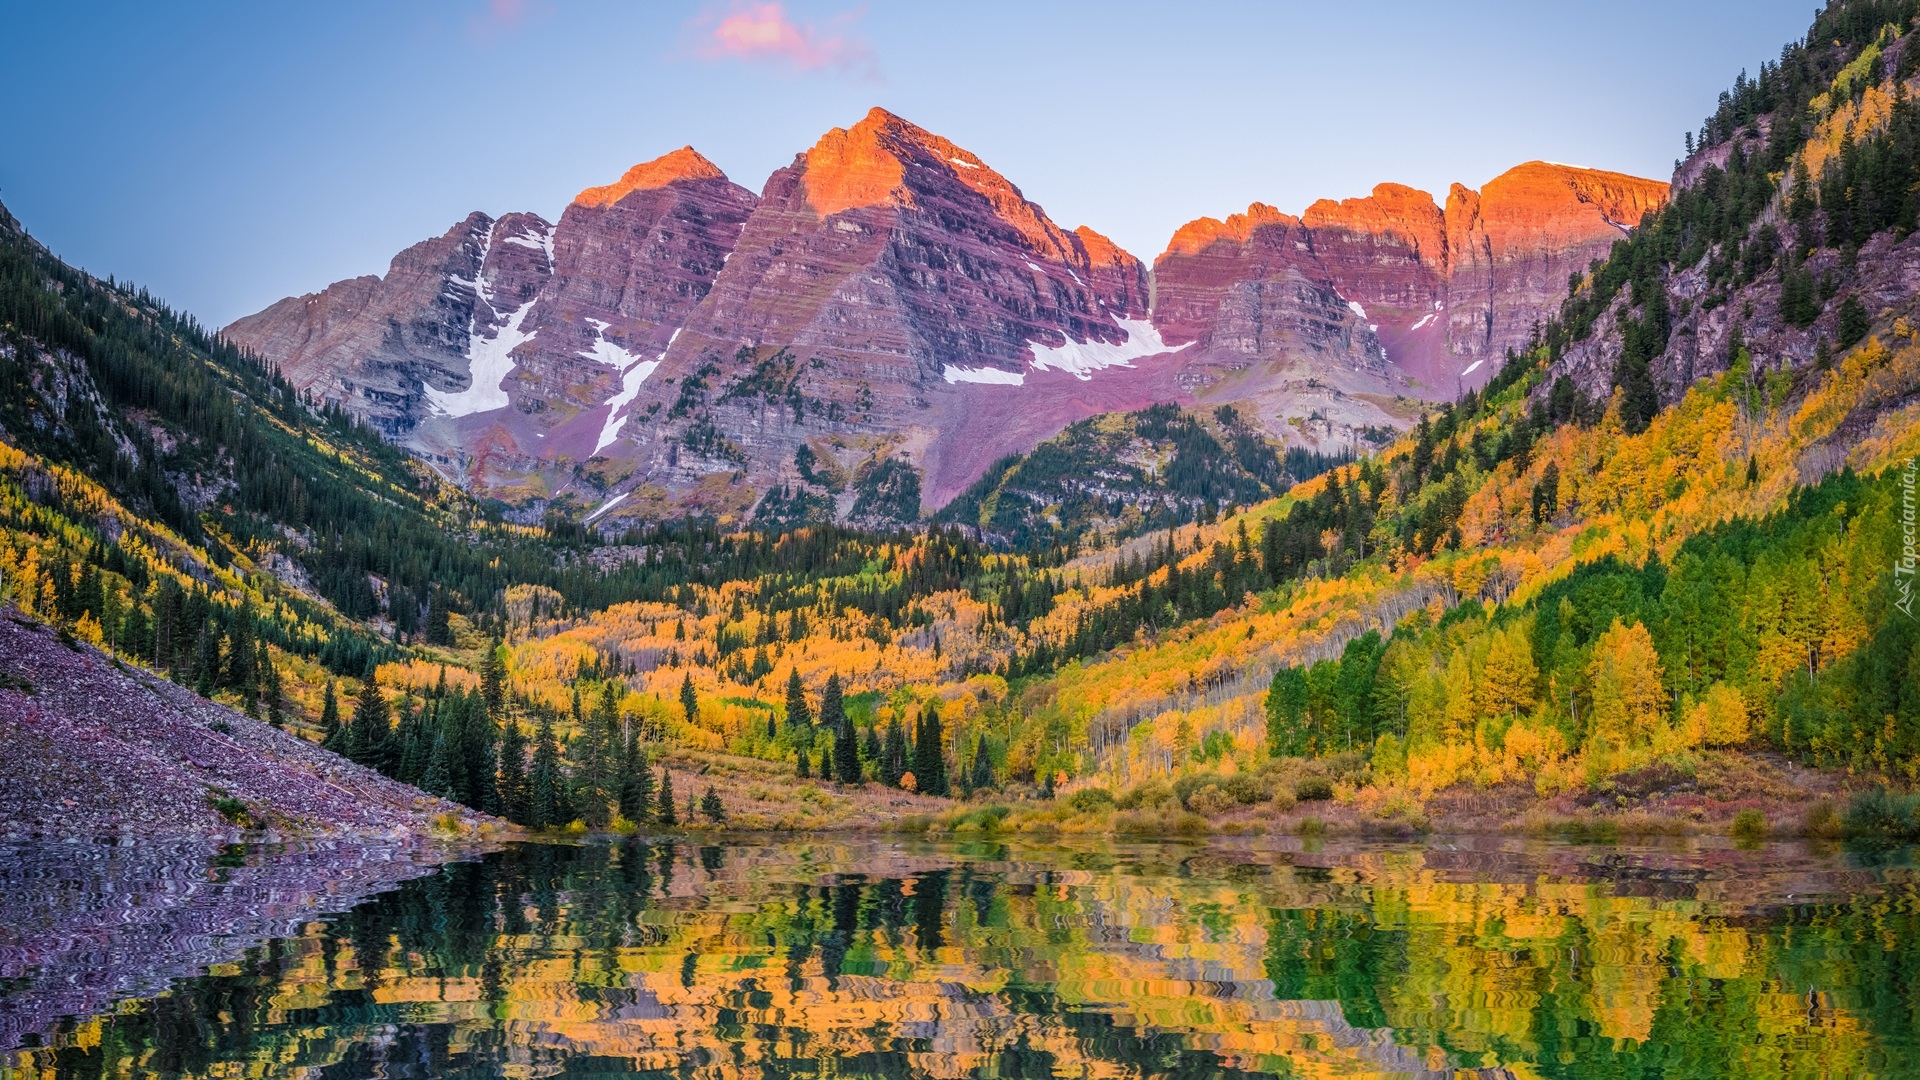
890	957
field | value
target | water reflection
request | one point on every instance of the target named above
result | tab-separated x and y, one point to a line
886	959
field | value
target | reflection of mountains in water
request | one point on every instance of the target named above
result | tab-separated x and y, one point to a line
914	959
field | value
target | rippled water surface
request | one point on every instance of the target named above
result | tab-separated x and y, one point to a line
835	958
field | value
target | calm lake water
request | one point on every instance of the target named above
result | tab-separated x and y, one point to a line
882	958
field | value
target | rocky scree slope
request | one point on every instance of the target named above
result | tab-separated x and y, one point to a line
94	748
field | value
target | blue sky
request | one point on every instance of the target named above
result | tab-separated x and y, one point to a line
228	154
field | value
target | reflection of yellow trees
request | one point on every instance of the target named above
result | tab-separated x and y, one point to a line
1382	965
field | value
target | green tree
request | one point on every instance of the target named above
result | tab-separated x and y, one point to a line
1853	323
330	732
982	778
689	701
493	681
711	807
893	754
515	804
667	815
368	739
929	753
546	794
636	789
833	717
799	717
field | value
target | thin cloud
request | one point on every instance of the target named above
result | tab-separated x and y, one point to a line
763	33
499	17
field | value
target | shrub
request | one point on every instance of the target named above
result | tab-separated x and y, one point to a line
1823	821
233	810
1147	793
1882	814
1091	800
1245	789
1283	800
1749	824
1313	789
1312	826
1185	786
1211	800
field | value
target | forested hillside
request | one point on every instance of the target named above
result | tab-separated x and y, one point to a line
1670	528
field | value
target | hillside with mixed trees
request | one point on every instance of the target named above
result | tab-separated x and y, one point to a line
1660	549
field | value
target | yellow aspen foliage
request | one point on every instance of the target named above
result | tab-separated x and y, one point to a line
1628	701
1460	714
1506	684
88	629
1719	718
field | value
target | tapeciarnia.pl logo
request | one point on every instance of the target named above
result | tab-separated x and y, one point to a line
1903	567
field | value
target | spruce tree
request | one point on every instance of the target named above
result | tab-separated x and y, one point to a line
710	806
893	754
367	742
636	788
801	768
929	758
833	716
514	804
667	814
330	731
689	701
799	717
493	681
438	777
982	778
594	763
545	806
827	771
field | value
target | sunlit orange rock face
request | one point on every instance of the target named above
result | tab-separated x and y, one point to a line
889	257
1445	292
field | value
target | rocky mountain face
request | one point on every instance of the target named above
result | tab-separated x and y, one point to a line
1387	294
890	316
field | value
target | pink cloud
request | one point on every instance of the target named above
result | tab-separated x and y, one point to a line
764	32
498	17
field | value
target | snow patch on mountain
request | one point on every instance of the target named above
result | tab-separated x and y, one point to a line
1082	358
988	376
489	362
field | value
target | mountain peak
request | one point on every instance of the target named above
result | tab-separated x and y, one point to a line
684	164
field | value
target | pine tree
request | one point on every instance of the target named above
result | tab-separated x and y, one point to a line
827	770
636	789
276	696
801	768
893	754
493	681
594	762
514	802
438	777
367	741
833	716
799	717
982	778
929	758
667	814
545	804
689	701
330	731
710	806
